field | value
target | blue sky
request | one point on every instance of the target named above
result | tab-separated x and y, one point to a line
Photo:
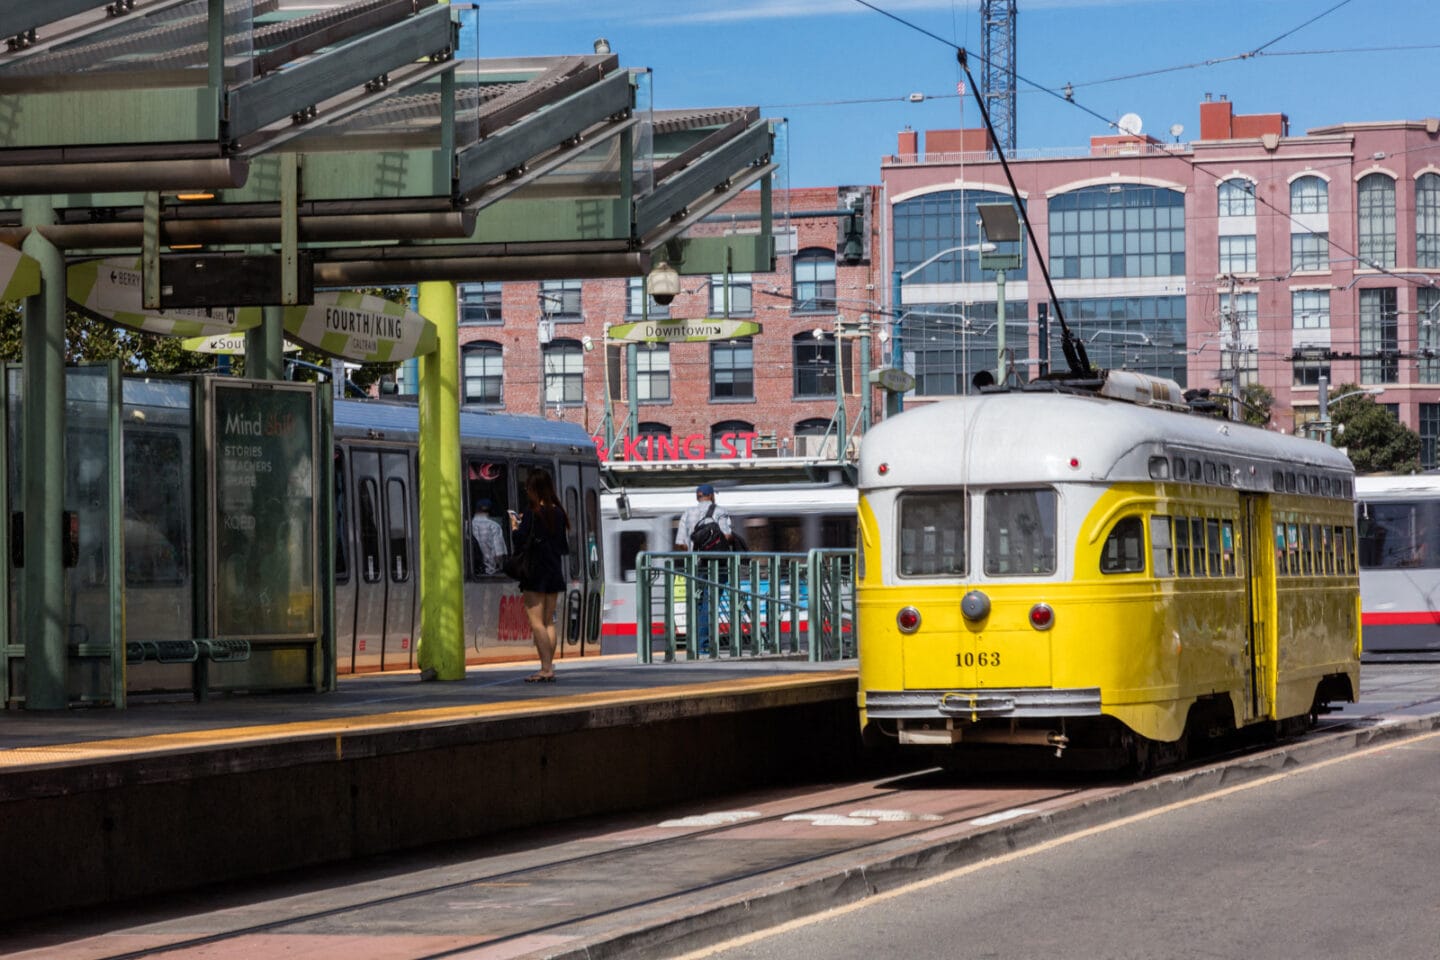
842	74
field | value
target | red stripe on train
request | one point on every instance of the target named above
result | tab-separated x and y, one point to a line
1420	617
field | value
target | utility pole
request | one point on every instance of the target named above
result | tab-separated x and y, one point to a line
1232	326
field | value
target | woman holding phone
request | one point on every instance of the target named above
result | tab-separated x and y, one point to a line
543	530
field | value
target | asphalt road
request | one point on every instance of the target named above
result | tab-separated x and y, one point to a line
1339	859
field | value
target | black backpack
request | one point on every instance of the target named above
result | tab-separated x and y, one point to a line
707	534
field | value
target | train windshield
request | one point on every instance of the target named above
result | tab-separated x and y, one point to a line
1399	534
932	534
1020	532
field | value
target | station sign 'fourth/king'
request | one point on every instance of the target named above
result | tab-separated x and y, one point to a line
682	331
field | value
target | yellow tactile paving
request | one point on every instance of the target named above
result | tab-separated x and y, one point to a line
339	727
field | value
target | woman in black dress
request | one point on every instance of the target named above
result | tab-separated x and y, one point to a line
545	527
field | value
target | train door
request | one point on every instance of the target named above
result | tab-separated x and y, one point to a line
593	574
346	579
386	591
1258	571
572	605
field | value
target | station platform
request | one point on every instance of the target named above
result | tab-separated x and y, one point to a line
98	805
684	876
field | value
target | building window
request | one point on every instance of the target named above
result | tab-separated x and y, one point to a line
938	222
1377	220
814	279
560	300
635	305
1132	333
1427	221
652	372
1243	309
564	372
1309	365
1429	435
813	359
1427	303
1379	336
1121	230
483	364
1309	251
732	370
1237	254
1310	309
480	303
1237	198
732	438
815	437
1309	195
739	295
652	428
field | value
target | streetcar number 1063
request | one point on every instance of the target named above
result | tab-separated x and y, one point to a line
990	659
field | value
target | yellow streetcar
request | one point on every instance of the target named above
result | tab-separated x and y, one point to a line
1100	568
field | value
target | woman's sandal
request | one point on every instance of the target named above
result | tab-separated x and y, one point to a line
540	678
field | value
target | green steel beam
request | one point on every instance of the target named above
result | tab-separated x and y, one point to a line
712	170
514	146
260	102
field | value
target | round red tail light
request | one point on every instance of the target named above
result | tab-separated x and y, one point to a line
1042	617
908	620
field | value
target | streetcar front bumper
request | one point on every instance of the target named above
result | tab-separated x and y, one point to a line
948	716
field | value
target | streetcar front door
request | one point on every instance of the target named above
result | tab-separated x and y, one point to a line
384	561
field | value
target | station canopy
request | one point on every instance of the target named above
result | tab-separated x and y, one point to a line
353	145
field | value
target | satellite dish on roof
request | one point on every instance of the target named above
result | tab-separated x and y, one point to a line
1175	131
1131	124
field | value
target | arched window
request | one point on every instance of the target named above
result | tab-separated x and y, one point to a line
937	223
813	360
652	428
1236	198
1377	219
564	372
1309	195
732	438
1309	224
1117	230
483	369
1427	221
814	281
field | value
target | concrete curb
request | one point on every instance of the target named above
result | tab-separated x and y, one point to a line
736	909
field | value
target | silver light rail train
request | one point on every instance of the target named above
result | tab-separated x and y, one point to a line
377	557
1398	528
772	518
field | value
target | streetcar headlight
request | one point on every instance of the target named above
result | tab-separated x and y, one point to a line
908	620
1042	617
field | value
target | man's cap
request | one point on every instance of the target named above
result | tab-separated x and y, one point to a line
483	504
705	490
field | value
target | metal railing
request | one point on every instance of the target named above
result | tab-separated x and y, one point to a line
745	604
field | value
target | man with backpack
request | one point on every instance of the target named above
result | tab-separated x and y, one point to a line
705	528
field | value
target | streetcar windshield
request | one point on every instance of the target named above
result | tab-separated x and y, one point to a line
932	534
1020	532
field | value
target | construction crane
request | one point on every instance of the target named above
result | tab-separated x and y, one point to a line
997	81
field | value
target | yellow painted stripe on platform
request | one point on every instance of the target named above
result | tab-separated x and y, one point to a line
339	727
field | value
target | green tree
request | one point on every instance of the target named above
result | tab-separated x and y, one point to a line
1370	434
1256	403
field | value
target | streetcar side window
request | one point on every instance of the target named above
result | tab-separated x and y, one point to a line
632	544
932	534
1182	547
1327	548
1197	544
1124	549
1227	546
1212	547
1020	532
1162	554
1281	560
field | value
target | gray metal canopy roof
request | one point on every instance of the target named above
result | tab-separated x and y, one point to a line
355	127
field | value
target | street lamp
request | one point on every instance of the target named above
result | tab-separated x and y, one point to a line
1323	395
897	355
999	223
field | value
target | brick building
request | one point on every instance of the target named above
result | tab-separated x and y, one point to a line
774	392
1249	255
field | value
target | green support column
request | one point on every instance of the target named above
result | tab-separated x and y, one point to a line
441	652
265	346
42	472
